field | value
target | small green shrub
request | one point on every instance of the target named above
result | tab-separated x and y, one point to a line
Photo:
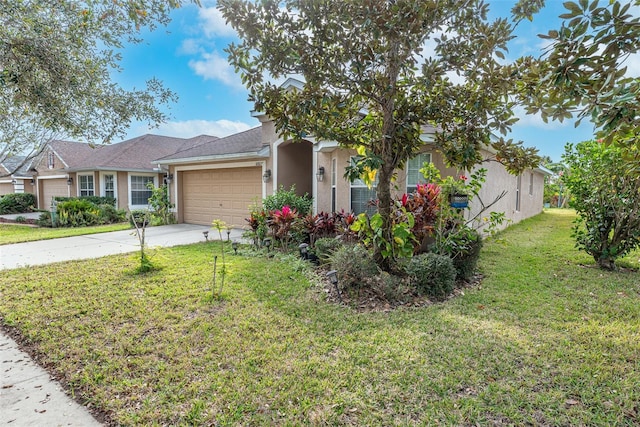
354	264
325	247
110	215
96	200
282	197
78	213
44	220
465	259
432	274
20	219
17	203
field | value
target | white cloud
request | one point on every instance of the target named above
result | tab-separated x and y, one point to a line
213	23
535	120
191	128
212	66
189	47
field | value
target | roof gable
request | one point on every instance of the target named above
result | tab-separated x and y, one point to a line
247	142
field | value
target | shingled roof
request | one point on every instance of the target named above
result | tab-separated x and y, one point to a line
136	154
17	166
239	145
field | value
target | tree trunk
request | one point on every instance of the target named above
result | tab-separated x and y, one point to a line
606	263
383	191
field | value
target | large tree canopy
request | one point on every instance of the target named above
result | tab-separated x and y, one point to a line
376	71
56	57
583	73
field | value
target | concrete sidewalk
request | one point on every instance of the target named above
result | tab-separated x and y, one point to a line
28	395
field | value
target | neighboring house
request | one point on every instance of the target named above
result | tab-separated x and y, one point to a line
224	178
120	170
15	176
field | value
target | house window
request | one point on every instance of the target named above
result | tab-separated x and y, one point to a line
531	184
414	177
334	181
518	191
140	193
109	186
86	185
362	196
51	160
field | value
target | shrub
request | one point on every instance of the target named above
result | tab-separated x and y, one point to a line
465	259
432	274
44	220
160	205
140	216
78	213
17	203
606	193
354	264
282	198
325	247
109	214
21	220
96	200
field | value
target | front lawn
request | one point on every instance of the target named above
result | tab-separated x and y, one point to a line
12	233
546	340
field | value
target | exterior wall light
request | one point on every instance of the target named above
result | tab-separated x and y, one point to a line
69	181
168	178
320	174
266	176
14	181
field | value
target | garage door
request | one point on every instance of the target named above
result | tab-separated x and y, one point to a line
52	188
6	188
225	194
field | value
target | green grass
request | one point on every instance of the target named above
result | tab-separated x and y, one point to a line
546	340
11	233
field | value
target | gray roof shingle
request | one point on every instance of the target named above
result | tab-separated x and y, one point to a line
247	142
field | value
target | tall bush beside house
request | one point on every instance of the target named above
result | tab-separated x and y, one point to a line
605	192
160	205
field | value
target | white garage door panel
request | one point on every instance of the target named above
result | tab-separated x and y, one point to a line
53	188
224	194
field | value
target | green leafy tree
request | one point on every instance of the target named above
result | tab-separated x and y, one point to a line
370	83
56	61
607	200
583	73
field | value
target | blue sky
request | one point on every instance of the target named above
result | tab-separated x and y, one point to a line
188	56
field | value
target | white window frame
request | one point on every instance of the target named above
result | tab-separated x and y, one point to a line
91	179
359	184
133	174
411	186
103	184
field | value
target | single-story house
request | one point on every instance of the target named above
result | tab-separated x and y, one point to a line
223	178
119	170
15	176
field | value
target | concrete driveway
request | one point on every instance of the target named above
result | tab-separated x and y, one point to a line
103	244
